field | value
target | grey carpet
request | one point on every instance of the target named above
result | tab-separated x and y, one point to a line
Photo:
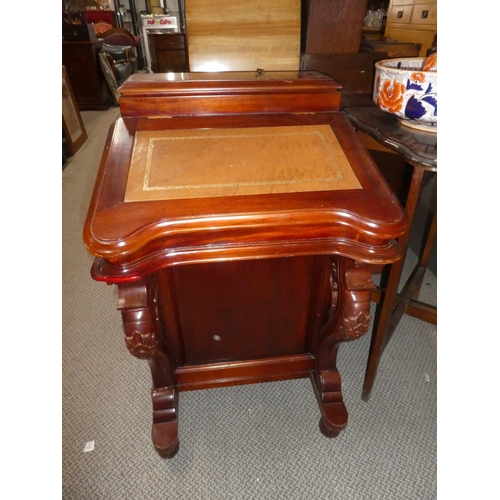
250	442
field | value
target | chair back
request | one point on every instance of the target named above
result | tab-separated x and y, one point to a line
120	36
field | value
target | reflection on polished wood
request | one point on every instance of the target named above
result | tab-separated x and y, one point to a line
243	36
239	287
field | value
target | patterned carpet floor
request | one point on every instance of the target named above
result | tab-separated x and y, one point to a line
248	442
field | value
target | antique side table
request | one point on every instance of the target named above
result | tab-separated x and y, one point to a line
419	149
238	214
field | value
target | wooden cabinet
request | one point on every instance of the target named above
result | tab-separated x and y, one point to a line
412	21
84	70
168	52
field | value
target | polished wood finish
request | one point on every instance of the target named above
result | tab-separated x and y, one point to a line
238	288
81	60
143	339
238	36
168	52
161	95
419	149
332	26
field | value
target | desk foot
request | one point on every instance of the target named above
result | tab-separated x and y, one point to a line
144	340
326	430
165	451
327	388
165	429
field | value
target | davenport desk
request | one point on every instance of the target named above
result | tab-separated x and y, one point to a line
238	214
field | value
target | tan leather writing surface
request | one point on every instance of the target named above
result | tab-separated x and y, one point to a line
180	164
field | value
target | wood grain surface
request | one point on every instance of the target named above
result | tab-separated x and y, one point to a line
243	36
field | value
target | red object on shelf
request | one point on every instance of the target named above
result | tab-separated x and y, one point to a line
95	16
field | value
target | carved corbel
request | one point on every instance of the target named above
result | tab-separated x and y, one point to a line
348	319
137	304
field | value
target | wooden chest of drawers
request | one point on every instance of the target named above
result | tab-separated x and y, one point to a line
168	52
412	21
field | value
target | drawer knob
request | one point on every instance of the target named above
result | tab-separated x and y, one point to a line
425	14
400	14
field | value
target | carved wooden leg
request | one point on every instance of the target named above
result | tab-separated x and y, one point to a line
143	339
348	319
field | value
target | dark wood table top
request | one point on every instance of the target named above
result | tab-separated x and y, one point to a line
417	147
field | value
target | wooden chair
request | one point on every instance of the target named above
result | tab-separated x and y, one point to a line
120	36
121	60
125	43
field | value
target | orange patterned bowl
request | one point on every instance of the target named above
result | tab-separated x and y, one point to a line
404	89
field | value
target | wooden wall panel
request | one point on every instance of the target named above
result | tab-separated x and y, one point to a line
332	26
243	36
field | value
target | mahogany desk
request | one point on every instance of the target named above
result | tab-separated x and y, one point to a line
419	149
238	214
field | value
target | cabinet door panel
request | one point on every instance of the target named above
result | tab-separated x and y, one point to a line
244	309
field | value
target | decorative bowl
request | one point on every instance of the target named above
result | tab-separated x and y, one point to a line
404	89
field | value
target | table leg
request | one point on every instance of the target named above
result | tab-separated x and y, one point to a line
142	336
426	253
388	300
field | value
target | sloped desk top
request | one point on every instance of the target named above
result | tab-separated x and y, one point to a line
254	165
179	164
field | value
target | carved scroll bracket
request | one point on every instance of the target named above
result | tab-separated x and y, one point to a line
348	319
143	339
